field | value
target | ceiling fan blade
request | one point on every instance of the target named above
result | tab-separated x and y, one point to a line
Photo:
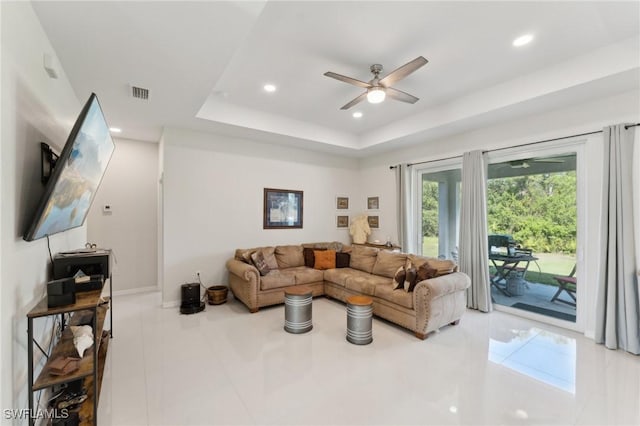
403	71
348	80
548	160
355	101
399	95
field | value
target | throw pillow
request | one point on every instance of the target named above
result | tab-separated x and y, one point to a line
258	261
425	272
411	277
324	259
309	258
399	277
342	260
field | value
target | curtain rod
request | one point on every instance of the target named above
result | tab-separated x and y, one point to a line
516	146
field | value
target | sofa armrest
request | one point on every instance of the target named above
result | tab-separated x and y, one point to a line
243	270
443	285
439	301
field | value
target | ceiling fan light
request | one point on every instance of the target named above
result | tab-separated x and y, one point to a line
375	95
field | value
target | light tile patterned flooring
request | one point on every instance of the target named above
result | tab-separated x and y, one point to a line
226	366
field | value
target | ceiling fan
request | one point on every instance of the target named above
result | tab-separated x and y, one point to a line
378	88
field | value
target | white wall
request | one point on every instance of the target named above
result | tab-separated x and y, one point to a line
213	201
130	187
35	108
375	175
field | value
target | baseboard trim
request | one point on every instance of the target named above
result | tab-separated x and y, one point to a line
135	291
172	304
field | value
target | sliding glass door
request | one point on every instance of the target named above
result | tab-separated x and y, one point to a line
532	227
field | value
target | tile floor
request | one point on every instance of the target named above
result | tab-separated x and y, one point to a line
226	366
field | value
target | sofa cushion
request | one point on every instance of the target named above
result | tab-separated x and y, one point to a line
306	275
387	263
363	258
267	252
443	266
365	284
289	256
333	245
324	259
339	276
342	260
386	292
309	258
418	260
258	261
277	279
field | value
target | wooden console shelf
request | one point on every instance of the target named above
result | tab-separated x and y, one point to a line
91	366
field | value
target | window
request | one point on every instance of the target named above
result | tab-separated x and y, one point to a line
439	211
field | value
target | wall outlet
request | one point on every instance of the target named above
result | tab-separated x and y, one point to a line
197	273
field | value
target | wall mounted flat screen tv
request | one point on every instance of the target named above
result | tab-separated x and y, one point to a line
77	174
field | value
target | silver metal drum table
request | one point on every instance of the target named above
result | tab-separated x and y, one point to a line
298	302
359	320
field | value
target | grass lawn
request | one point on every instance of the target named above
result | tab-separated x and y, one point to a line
542	271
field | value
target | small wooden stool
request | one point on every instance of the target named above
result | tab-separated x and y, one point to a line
298	309
359	320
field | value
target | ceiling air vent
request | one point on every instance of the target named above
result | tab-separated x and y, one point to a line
139	92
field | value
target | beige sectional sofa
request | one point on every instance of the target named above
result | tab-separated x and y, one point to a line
433	303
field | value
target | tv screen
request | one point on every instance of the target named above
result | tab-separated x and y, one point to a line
75	179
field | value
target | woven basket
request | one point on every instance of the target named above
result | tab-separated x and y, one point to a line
217	294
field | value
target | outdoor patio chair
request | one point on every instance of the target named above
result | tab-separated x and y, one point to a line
563	285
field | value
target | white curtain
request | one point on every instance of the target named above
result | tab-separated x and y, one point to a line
474	253
404	208
618	299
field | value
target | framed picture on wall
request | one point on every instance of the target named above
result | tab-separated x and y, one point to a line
373	203
374	221
342	221
282	209
342	203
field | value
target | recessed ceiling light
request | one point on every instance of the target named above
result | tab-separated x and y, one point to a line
115	129
269	88
522	40
357	114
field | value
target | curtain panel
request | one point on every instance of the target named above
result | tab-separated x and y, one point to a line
404	211
618	297
474	252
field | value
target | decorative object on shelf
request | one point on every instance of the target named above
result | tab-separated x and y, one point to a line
342	203
373	203
82	338
360	229
374	221
62	366
342	221
282	209
217	294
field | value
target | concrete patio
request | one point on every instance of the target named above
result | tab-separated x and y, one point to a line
535	294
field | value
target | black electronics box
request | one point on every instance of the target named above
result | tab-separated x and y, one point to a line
90	262
61	292
89	283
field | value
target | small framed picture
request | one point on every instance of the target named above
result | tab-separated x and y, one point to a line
373	203
342	203
342	221
374	221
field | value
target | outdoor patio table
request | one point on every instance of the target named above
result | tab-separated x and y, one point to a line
505	265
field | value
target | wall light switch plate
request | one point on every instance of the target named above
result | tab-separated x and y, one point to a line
106	208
